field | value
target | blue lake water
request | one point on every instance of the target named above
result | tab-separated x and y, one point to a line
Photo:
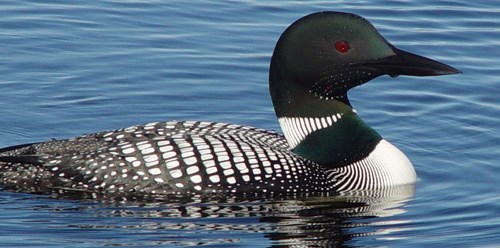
74	67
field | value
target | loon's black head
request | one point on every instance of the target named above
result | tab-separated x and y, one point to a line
327	53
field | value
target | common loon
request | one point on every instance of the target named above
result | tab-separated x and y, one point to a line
326	148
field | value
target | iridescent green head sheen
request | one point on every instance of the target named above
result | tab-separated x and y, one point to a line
327	53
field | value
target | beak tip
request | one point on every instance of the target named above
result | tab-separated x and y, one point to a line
451	71
416	65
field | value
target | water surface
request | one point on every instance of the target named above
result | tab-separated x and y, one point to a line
74	67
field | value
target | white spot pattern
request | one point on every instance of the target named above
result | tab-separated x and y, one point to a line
194	157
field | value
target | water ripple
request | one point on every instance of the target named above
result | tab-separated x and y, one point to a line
77	67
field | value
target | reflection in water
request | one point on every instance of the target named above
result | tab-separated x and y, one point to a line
332	221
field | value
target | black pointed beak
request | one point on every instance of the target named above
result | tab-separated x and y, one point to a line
405	63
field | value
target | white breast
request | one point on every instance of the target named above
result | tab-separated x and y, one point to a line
385	166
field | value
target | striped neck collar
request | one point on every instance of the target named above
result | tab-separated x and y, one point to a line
328	132
296	129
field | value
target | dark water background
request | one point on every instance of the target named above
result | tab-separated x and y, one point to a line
73	67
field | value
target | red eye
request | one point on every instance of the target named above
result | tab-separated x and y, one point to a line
342	46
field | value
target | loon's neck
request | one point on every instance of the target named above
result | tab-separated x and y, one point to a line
326	131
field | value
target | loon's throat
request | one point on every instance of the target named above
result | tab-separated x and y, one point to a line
330	134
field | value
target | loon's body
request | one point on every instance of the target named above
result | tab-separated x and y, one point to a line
326	148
